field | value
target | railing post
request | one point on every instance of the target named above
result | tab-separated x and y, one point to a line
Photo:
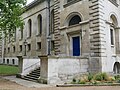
20	66
43	69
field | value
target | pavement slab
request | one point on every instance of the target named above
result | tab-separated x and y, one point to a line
25	83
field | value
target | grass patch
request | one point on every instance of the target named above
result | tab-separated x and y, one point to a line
8	70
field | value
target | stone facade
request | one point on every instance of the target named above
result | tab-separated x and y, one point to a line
76	28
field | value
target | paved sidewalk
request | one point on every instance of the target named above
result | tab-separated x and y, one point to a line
25	82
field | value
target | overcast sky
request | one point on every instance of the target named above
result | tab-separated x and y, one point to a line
29	1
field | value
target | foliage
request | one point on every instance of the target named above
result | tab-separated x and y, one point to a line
8	70
101	76
118	81
96	79
82	82
10	19
90	76
117	77
74	80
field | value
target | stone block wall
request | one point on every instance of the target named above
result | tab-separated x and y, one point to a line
63	69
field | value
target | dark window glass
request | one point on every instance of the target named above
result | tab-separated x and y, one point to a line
13	61
30	27
38	45
52	21
3	60
69	0
29	47
74	20
7	61
112	36
8	49
52	45
13	48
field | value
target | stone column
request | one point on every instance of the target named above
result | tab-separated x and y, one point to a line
20	66
43	69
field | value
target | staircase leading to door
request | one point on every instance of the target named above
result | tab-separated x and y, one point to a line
33	76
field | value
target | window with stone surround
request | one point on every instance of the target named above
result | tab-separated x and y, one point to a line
7	61
13	49
39	18
20	48
21	34
13	61
38	45
8	49
29	28
28	47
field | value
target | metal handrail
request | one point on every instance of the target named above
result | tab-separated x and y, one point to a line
30	66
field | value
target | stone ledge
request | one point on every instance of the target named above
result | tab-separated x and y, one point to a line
85	85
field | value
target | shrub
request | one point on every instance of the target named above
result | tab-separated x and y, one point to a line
117	77
118	81
104	76
90	76
101	76
82	82
74	80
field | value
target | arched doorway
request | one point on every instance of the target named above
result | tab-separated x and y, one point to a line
75	38
116	68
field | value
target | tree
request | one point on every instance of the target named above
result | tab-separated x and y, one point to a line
10	15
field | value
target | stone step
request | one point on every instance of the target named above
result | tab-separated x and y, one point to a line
28	79
33	76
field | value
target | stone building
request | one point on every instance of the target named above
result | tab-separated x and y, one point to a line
68	38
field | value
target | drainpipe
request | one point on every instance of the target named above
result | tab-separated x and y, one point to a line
49	33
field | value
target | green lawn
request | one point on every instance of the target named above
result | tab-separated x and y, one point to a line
8	70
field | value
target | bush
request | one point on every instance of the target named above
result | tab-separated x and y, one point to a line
90	76
117	77
118	81
82	82
101	76
74	80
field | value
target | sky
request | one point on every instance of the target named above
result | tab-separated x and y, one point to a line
29	1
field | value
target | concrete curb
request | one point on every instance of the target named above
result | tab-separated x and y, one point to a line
81	85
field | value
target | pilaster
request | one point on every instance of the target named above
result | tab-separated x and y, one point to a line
56	26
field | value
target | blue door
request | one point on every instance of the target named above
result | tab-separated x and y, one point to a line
76	46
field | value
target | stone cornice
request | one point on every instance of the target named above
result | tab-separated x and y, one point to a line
33	4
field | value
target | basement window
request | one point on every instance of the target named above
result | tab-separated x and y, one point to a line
13	61
7	61
29	47
38	45
20	48
13	49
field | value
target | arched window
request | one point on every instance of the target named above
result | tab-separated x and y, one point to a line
74	20
39	24
30	27
114	24
52	21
